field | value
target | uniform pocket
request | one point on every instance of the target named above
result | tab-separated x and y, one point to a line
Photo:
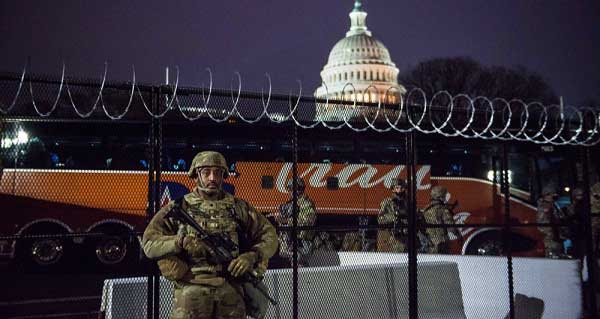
172	267
193	301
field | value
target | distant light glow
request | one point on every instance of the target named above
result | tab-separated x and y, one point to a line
490	176
22	137
7	142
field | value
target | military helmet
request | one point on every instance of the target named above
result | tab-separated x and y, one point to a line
595	189
299	181
438	192
549	189
398	182
205	159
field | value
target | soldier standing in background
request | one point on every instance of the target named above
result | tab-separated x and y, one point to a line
307	216
548	212
204	288
574	216
439	212
393	210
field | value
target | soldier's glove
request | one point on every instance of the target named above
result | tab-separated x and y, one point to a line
242	264
185	242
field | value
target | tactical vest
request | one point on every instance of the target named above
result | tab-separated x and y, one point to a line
214	216
432	214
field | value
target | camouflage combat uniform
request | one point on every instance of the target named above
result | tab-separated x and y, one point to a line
393	211
307	216
574	218
573	209
203	289
547	213
438	212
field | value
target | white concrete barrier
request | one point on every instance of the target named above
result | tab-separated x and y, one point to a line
485	285
348	292
126	298
367	291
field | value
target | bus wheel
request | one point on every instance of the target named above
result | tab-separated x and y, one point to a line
42	253
488	244
114	250
46	252
111	250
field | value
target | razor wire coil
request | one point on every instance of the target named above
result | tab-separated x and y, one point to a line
443	113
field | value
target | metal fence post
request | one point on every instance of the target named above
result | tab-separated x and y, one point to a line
589	237
154	144
150	211
295	221
506	234
157	195
413	304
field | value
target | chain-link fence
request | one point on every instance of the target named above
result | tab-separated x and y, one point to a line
376	217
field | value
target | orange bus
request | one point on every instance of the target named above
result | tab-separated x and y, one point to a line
114	203
92	177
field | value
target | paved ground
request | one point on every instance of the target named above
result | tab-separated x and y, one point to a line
57	296
26	295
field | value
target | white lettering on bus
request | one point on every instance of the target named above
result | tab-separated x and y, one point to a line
460	219
316	176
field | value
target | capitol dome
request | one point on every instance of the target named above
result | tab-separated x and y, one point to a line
359	49
363	61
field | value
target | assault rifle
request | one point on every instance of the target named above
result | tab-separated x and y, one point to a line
221	246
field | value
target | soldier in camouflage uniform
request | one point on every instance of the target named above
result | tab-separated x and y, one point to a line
548	212
439	212
574	217
393	210
307	216
595	213
203	288
576	198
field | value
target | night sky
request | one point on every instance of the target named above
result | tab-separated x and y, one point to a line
560	40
